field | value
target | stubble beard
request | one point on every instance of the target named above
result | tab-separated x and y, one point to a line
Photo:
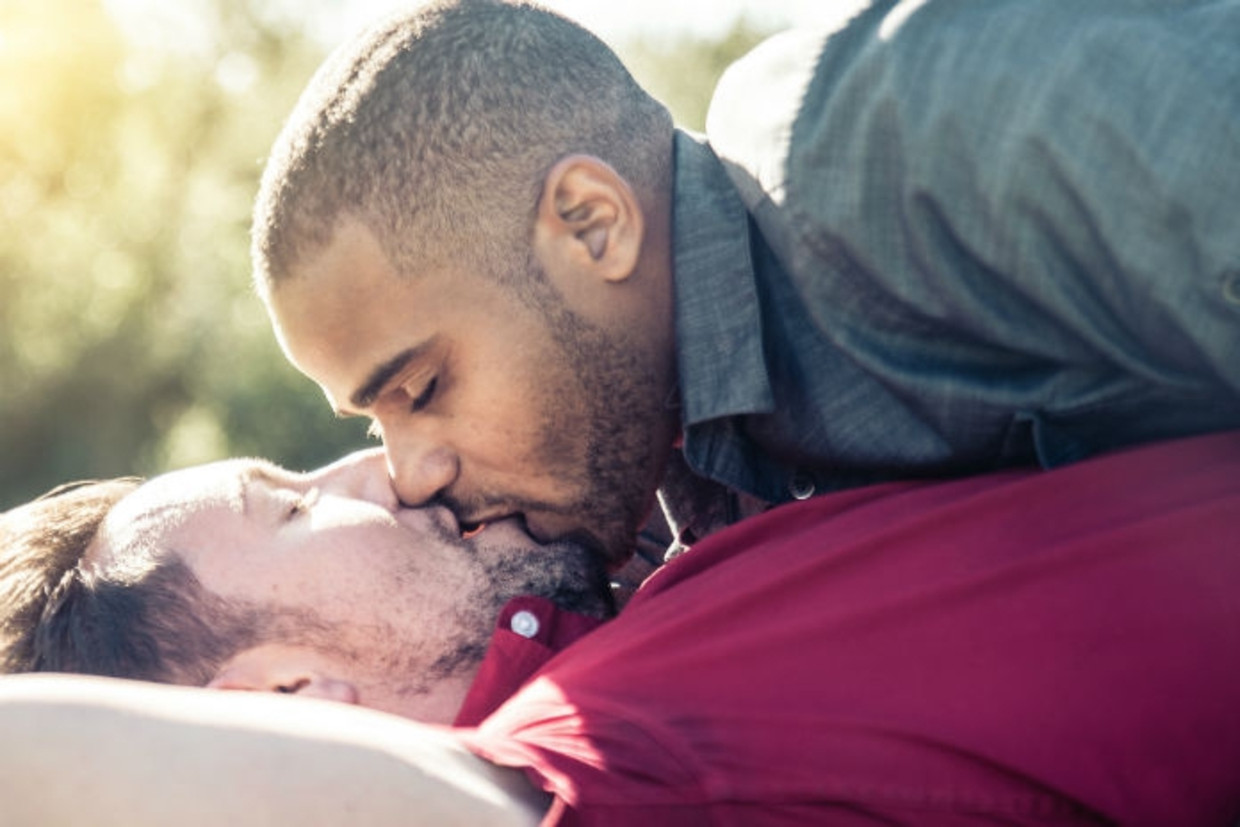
567	574
621	403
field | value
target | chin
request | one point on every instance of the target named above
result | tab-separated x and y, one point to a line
567	574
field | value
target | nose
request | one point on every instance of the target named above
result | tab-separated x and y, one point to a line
361	475
420	471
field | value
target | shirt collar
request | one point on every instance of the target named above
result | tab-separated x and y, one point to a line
718	321
529	632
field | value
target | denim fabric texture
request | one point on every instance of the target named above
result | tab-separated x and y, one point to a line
948	236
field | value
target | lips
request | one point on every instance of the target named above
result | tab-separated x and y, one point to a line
473	524
514	520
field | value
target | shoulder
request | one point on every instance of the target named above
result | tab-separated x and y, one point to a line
755	105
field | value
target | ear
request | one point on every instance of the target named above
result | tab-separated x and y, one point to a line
589	221
283	669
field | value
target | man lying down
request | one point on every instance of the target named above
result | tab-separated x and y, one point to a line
1018	648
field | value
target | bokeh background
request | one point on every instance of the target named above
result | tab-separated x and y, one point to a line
132	137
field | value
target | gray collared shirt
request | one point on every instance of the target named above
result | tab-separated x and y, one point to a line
949	236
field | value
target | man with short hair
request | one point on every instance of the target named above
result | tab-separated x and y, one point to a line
937	238
204	576
1019	647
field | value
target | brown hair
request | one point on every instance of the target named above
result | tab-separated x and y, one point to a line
440	124
156	623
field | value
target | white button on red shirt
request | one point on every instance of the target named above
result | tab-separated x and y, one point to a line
524	623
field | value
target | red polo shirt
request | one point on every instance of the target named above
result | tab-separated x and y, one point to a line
1055	647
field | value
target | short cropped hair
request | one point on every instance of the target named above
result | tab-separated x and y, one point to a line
436	128
152	622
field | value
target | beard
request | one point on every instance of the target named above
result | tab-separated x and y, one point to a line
567	574
610	434
623	403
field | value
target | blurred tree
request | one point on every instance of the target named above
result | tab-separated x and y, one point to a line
130	341
682	71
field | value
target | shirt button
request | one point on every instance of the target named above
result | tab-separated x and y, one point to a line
801	486
524	623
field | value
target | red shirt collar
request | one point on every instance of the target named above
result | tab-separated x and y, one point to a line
529	632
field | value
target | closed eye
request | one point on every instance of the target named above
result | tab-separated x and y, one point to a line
424	398
301	505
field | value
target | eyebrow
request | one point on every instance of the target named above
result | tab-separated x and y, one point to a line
261	471
369	390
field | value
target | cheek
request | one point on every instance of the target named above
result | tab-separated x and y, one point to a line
526	434
354	589
330	557
519	410
512	408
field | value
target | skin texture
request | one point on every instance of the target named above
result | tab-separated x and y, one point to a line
542	394
390	607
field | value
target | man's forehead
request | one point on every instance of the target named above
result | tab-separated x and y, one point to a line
164	504
346	312
325	285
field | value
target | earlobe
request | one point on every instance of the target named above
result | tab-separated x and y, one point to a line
589	220
327	688
283	670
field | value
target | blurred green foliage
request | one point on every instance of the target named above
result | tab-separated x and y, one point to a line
130	341
682	71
